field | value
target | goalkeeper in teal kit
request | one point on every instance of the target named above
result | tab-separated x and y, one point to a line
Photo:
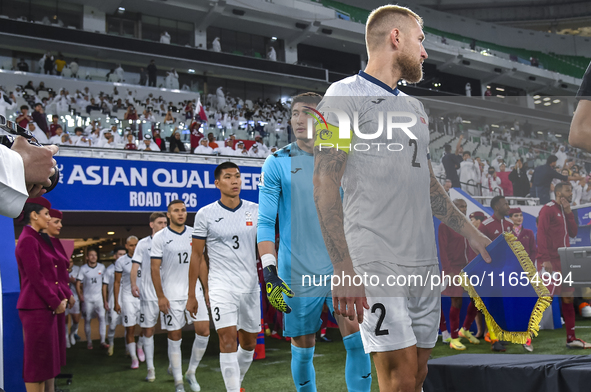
286	190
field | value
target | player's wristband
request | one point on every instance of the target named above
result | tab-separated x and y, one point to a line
268	260
585	89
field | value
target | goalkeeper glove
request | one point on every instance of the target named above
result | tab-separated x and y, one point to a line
275	287
585	89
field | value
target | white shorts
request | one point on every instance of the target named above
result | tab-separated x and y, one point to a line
242	310
178	316
130	311
399	316
114	319
75	309
93	309
148	313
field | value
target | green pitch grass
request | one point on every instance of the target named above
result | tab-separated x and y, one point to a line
95	371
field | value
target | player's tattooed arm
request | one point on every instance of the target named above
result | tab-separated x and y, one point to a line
443	208
329	166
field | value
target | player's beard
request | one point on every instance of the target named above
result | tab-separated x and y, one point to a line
411	70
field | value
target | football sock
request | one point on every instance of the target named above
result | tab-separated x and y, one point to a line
454	321
244	360
568	313
74	328
111	335
199	346
357	365
87	331
174	356
149	351
140	342
470	316
102	327
442	325
132	352
302	369
230	371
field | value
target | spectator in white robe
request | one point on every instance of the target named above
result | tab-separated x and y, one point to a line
172	79
272	150
561	155
84	141
203	147
272	54
164	37
227	149
7	107
38	133
470	174
148	144
221	99
255	152
57	138
216	44
259	142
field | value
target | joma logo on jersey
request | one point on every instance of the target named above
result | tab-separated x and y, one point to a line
344	124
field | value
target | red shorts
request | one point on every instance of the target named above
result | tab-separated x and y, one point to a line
564	289
453	290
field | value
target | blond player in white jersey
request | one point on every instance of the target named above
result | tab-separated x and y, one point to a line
113	318
74	312
89	284
228	227
149	311
126	304
384	227
170	255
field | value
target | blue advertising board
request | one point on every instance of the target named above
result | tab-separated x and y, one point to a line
95	184
584	214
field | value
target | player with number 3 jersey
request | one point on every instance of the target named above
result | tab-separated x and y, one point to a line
228	228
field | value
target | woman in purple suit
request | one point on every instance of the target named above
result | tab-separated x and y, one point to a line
41	298
54	228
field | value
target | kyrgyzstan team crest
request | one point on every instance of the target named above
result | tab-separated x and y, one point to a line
248	218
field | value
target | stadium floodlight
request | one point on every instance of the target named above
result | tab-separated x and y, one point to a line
548	104
537	97
121	10
191	70
556	101
538	102
273	39
546	99
110	233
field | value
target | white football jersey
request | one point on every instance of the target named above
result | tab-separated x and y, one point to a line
92	282
123	266
174	249
230	236
386	184
141	256
74	274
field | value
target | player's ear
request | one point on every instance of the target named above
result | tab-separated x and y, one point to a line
395	38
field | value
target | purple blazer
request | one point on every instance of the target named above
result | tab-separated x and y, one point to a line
62	268
38	265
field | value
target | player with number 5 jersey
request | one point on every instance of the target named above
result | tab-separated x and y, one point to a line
228	227
170	255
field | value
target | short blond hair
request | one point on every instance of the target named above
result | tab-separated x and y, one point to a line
385	18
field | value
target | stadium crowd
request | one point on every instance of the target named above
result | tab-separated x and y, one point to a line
226	125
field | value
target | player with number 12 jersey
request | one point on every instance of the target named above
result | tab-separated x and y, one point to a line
170	256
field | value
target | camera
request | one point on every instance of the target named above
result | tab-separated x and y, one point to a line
13	130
